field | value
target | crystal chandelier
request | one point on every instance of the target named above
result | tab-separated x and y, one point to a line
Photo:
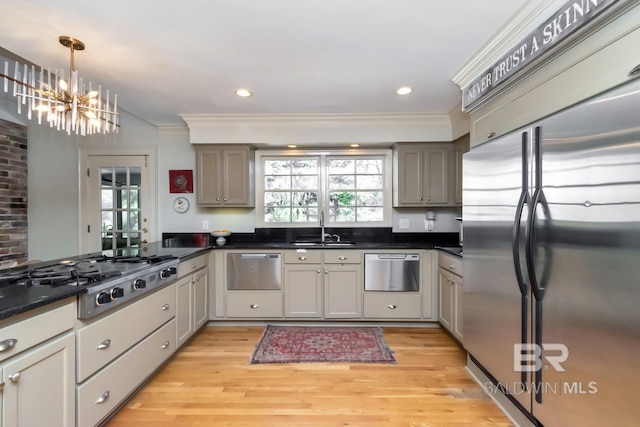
66	104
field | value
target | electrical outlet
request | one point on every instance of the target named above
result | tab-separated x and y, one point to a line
205	225
404	222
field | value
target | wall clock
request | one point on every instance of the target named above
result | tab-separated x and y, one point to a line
181	205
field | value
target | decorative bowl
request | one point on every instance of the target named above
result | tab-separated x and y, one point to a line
221	233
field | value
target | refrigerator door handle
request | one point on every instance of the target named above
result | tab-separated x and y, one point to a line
525	199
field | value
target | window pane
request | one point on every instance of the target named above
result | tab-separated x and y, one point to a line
134	220
134	199
299	214
121	177
369	198
107	220
306	198
107	199
305	182
277	167
135	176
341	166
278	182
124	199
344	198
304	167
369	182
106	177
277	214
342	214
276	199
339	182
369	166
370	214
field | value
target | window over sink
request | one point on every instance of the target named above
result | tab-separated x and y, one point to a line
352	188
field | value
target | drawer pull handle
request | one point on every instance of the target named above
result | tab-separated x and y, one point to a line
103	398
491	135
254	306
194	265
165	345
392	306
342	258
104	344
165	307
634	71
8	344
15	377
451	266
302	258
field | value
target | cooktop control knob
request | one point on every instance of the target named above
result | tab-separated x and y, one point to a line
173	270
165	273
139	283
103	298
117	292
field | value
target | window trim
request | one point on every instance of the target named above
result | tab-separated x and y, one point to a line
386	155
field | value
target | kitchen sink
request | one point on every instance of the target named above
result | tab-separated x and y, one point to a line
319	243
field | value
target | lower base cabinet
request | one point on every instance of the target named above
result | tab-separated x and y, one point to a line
252	304
451	287
303	291
343	291
39	385
392	305
192	293
101	394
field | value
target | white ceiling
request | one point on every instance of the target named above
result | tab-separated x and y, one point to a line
166	58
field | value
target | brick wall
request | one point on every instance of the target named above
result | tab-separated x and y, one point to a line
13	192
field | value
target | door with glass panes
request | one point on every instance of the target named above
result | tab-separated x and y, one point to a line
119	194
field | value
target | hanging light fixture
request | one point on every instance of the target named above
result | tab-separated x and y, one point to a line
66	104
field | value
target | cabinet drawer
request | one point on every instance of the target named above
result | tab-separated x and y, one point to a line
192	264
450	263
254	304
107	338
37	328
392	305
342	257
303	257
101	394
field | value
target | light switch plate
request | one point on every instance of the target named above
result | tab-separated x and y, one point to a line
205	225
404	222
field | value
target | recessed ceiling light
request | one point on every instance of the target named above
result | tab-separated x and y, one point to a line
406	90
354	145
292	146
243	92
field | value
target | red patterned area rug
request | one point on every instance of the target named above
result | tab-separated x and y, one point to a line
310	344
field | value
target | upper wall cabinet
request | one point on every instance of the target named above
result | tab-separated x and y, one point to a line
422	175
225	175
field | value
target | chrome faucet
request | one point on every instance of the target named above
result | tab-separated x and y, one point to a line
322	225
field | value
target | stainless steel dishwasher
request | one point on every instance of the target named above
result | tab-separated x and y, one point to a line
392	272
254	271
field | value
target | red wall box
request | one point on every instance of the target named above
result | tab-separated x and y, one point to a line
181	181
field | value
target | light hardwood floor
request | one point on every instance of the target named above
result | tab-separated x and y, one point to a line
209	383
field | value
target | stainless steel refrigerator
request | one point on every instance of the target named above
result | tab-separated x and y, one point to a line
552	263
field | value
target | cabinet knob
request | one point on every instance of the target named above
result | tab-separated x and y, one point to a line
634	71
225	199
326	272
302	258
491	135
15	377
8	344
103	398
104	344
421	198
342	258
217	199
254	306
428	199
318	270
166	307
451	266
392	306
165	345
194	265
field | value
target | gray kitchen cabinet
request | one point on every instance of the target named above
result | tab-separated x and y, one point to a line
451	286
37	368
421	175
225	175
342	284
392	305
192	292
460	147
303	284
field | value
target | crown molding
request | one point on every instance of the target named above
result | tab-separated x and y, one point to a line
172	129
525	20
278	129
